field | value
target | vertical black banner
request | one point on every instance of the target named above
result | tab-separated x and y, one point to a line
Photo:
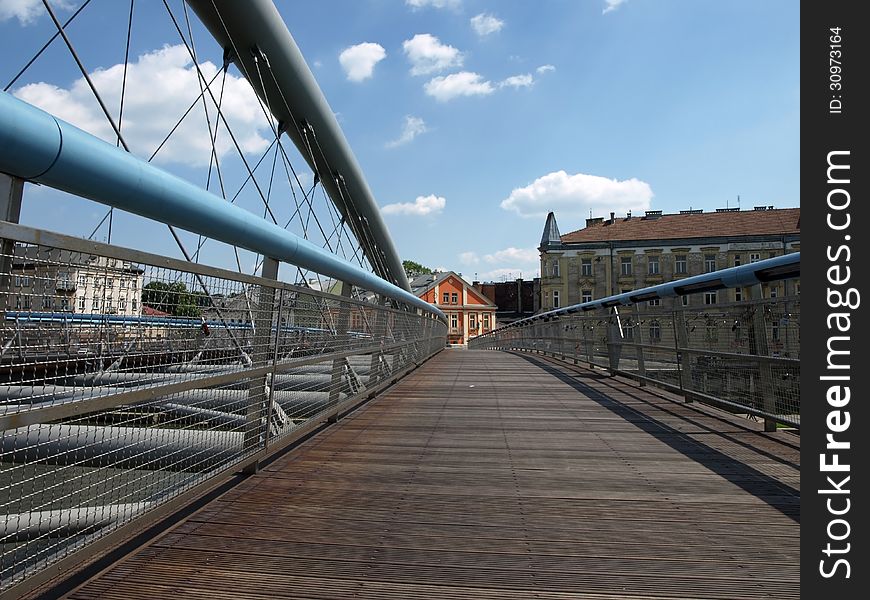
835	363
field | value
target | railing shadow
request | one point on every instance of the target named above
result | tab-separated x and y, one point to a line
778	495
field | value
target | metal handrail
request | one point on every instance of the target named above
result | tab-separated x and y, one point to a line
36	146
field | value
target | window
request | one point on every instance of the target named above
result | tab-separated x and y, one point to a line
625	263
556	299
774	291
25	304
555	267
110	282
655	332
83	279
122	305
680	264
472	321
133	284
737	260
586	296
81	303
95	305
446	296
47	303
711	297
655	302
738	294
122	283
454	298
754	257
98	282
684	300
709	263
110	305
64	304
486	321
586	267
22	281
454	321
653	265
134	305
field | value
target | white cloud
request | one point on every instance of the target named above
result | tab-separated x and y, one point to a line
518	81
359	61
27	11
428	55
545	69
421	207
576	194
485	24
149	116
508	263
513	255
414	126
458	84
452	4
611	5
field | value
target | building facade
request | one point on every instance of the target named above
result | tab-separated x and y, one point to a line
469	312
73	283
618	255
514	299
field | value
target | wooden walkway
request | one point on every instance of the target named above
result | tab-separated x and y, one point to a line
492	475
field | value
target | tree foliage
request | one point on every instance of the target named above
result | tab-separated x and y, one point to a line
174	298
415	268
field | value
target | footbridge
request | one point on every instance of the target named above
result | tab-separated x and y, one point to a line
297	428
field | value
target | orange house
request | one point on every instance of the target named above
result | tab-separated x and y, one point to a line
469	312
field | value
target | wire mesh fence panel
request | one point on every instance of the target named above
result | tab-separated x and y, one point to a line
127	380
742	356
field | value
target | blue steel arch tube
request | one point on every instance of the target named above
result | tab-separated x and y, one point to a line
36	146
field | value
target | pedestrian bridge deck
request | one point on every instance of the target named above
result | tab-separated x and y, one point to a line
495	475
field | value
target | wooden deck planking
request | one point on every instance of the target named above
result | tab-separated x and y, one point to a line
492	475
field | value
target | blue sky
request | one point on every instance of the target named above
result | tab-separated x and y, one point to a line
471	118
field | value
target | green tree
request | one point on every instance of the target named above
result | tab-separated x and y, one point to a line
414	268
173	298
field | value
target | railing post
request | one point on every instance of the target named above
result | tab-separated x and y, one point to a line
260	356
614	342
684	360
342	323
11	191
638	339
758	346
378	330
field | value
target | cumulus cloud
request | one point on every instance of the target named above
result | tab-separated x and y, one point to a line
27	11
428	55
421	207
452	4
508	263
513	255
454	85
359	61
518	81
577	194
611	5
545	69
149	116
485	24
414	126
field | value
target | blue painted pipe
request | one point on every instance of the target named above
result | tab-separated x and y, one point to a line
787	266
36	146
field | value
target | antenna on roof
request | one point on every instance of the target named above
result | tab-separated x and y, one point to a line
738	200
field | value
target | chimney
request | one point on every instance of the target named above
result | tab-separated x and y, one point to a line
612	218
597	220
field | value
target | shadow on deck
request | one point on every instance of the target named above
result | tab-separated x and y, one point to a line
494	475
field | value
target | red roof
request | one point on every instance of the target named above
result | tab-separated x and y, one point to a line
153	312
669	227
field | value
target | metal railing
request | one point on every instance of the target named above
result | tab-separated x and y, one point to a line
132	382
740	356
